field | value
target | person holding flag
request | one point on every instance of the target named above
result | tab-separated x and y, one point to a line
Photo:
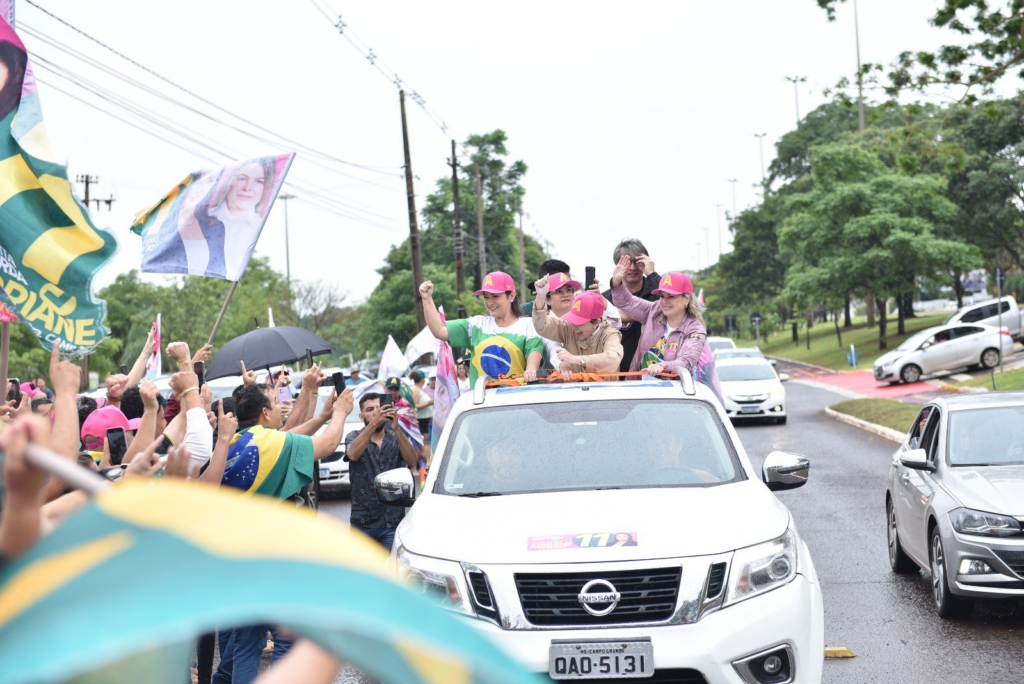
503	343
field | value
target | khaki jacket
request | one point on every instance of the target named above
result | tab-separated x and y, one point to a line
603	350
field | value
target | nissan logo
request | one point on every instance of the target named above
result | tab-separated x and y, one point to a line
591	595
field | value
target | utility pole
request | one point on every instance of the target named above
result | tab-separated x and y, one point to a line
87	181
718	218
284	196
760	147
796	93
414	233
733	181
707	245
460	274
460	271
698	256
482	258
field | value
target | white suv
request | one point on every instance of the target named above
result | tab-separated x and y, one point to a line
614	530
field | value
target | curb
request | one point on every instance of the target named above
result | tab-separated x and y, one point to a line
880	430
953	389
803	363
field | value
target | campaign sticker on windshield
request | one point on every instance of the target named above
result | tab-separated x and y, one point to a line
590	540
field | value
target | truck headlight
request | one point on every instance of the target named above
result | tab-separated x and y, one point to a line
763	567
966	521
434	578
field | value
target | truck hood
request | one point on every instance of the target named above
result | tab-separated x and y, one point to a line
666	523
994	489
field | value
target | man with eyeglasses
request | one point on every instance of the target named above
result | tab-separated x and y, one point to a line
640	280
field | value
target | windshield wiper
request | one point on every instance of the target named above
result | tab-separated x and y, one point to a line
476	494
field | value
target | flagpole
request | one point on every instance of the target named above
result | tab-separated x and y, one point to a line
71	473
223	310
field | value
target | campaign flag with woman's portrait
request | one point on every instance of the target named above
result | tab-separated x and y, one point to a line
208	224
49	248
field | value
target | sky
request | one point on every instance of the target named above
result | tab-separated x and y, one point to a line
632	117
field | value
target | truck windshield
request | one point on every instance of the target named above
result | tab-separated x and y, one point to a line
587	445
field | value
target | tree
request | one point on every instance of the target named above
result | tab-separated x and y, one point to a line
317	304
991	45
866	227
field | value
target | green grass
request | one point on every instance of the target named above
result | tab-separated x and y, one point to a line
825	350
887	412
1009	380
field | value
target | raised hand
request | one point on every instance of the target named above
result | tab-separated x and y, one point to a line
116	385
311	378
180	353
426	289
646	263
227	424
343	404
625	261
149	393
65	377
541	286
248	376
203	354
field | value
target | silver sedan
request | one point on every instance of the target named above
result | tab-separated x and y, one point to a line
955	499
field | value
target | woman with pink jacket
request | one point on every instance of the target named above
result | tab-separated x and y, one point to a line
672	332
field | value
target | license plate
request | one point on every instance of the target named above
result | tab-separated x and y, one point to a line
325	472
750	409
601	660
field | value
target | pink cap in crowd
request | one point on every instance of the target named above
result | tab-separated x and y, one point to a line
556	281
30	389
497	282
674	284
101	420
586	307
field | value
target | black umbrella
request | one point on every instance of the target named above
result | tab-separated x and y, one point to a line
263	348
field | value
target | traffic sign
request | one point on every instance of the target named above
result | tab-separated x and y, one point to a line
755	318
730	322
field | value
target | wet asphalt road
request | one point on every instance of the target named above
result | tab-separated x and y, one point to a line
887	621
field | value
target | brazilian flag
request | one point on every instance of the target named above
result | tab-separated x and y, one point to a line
119	591
49	249
269	462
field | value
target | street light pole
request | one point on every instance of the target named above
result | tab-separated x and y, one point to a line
718	218
287	246
796	93
698	255
707	245
760	147
733	181
860	77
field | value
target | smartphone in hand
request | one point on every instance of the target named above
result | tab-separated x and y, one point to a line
118	445
339	382
14	390
591	276
199	368
387	401
284	394
124	369
309	357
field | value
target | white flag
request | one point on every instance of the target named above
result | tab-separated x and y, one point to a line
392	362
423	343
270	316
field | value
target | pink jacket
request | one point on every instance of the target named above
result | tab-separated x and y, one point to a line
682	348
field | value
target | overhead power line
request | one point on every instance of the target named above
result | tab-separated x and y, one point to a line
387	170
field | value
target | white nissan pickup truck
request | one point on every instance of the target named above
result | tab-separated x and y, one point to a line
614	530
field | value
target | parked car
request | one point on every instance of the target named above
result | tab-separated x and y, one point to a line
561	542
988	313
954	500
751	388
718	343
944	347
742	353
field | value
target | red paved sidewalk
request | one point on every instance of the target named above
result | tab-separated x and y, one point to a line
863	382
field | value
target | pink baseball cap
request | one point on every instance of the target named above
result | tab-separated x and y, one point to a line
30	389
674	284
497	282
586	307
556	281
101	420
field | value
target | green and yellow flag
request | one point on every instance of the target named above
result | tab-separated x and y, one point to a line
49	249
269	462
119	591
